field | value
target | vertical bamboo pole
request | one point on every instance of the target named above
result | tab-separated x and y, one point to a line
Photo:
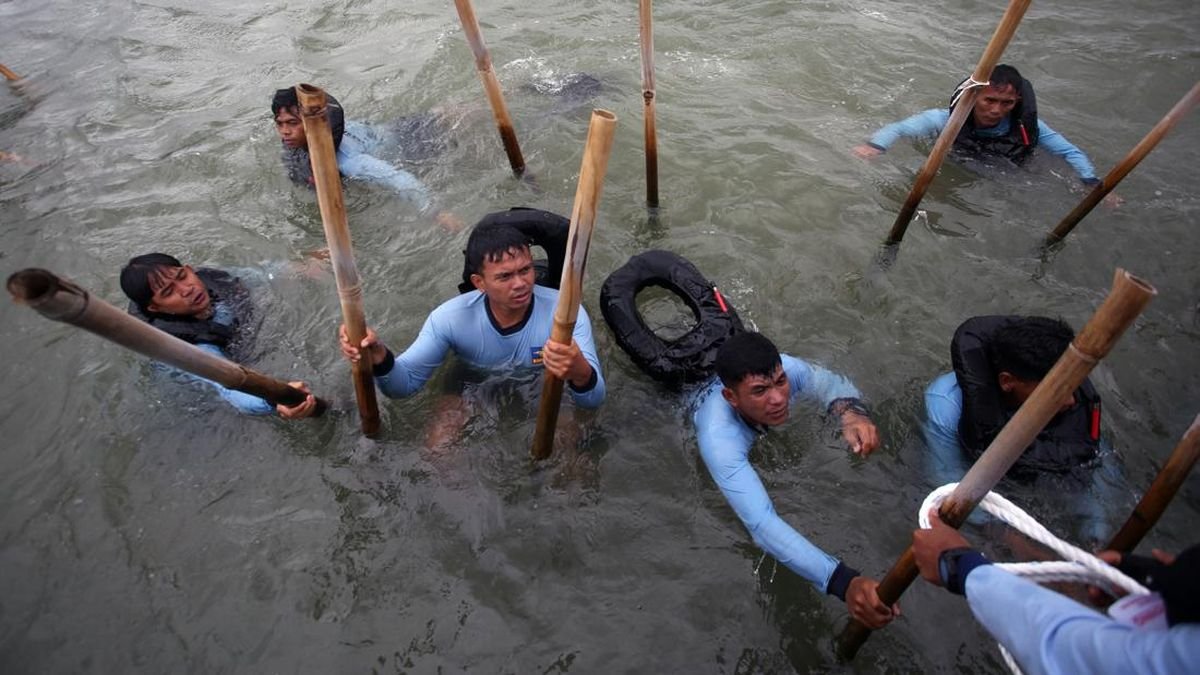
1118	173
1168	481
570	293
646	29
337	235
61	300
1127	299
491	85
966	103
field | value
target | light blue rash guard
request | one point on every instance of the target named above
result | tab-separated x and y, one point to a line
465	325
930	123
1050	634
725	439
247	404
355	161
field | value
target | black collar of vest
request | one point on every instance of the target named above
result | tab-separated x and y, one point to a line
516	327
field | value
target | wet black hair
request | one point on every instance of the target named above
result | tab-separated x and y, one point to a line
285	99
1030	346
490	242
746	354
135	276
1005	74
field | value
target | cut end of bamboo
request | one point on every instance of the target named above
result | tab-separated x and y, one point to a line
311	98
1142	284
31	285
604	114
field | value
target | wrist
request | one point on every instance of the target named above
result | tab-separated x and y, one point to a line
383	365
955	564
849	404
839	581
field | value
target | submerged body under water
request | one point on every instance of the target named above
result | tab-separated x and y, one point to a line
148	528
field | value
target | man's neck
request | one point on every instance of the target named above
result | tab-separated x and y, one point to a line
507	318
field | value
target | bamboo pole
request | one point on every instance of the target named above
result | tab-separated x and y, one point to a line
966	103
646	29
570	293
491	85
1168	481
1127	299
337	235
8	74
1118	173
61	300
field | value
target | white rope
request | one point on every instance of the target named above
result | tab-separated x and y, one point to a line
1078	566
969	83
1081	566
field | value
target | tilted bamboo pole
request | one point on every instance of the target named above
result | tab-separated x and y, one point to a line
1168	481
570	293
8	74
491	85
966	103
646	30
337	235
61	300
1118	173
1127	299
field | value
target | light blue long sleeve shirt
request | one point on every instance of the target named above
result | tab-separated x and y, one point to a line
929	124
247	404
355	161
464	324
1050	634
725	440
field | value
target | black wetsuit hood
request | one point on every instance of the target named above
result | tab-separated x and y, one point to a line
1070	440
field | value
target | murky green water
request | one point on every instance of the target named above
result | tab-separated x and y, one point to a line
145	530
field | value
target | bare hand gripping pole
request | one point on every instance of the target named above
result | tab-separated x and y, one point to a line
1127	299
61	300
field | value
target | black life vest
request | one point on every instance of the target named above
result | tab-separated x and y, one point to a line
1070	440
544	229
1022	137
222	288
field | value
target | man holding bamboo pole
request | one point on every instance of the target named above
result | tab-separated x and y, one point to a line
207	308
1004	124
503	325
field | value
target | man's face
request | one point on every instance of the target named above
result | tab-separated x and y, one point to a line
1018	391
178	291
507	282
761	400
994	104
290	128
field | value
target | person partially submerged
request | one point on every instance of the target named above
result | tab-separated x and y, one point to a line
354	143
1003	124
206	307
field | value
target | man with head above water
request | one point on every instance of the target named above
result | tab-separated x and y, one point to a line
998	361
754	389
206	307
353	141
1004	123
502	325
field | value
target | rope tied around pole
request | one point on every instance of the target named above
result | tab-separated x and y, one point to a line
969	83
1078	565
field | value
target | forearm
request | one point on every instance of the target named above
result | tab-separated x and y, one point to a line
1056	144
927	123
